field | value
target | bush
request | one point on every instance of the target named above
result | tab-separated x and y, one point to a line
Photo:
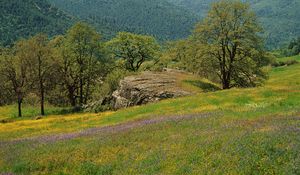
32	99
284	63
97	106
105	90
110	84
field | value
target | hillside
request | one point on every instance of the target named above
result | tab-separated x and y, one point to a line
280	18
164	19
154	17
237	131
20	19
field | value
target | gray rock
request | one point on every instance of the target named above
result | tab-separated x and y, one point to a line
145	88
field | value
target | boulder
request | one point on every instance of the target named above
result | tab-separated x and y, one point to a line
145	88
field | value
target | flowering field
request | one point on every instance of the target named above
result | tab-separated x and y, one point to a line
237	131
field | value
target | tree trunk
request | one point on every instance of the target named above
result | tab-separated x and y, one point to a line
42	94
72	98
42	100
81	91
224	78
226	82
88	81
81	81
20	106
87	91
73	102
226	85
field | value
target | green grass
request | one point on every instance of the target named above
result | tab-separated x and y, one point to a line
205	86
195	84
10	113
251	131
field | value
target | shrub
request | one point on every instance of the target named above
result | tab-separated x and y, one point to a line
32	99
284	63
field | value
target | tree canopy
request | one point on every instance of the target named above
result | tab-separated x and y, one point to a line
294	47
14	70
227	46
66	67
134	49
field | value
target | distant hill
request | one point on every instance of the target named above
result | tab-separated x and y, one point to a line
159	18
164	19
280	18
23	18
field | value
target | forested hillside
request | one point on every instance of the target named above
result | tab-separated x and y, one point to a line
154	17
19	18
280	18
164	19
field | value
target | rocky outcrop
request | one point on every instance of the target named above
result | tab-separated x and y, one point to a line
145	88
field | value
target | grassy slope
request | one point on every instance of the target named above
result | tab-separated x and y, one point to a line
255	131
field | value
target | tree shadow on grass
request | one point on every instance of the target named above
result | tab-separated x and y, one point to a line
33	112
205	86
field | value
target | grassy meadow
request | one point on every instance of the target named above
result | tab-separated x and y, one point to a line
245	131
10	113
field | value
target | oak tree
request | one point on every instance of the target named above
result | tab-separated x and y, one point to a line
230	45
80	54
42	67
14	71
134	49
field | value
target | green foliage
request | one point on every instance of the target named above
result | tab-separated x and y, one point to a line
110	83
227	45
185	55
280	19
156	17
133	49
82	63
284	63
21	19
5	88
32	99
112	80
163	19
293	48
43	67
103	91
62	71
14	70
